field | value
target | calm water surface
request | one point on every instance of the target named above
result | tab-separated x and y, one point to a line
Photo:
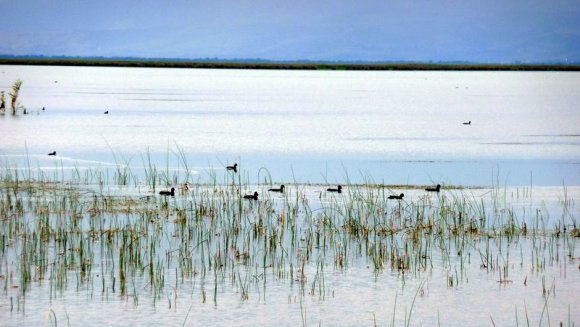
357	295
396	127
523	145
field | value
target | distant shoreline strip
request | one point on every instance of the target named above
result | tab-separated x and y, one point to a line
290	66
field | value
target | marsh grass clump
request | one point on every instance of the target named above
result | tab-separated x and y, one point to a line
14	94
2	102
122	239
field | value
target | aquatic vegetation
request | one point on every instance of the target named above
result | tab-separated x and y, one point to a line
14	104
2	102
14	94
122	239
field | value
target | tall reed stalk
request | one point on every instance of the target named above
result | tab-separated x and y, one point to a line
14	95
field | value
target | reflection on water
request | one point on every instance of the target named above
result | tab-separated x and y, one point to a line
453	277
522	123
295	128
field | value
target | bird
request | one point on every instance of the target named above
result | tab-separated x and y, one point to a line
468	123
396	197
433	189
279	190
172	192
338	190
234	168
53	153
107	112
43	108
251	197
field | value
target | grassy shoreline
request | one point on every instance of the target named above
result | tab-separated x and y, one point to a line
288	66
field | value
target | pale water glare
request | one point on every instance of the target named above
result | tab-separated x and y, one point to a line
308	126
504	254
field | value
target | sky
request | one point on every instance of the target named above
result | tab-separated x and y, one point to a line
486	31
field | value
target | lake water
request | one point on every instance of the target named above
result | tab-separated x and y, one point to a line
526	280
304	126
521	155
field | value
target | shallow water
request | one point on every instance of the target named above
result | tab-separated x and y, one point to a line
355	295
395	127
308	130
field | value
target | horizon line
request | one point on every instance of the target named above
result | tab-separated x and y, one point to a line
286	61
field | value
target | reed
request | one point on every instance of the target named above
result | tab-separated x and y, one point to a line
92	235
14	94
2	102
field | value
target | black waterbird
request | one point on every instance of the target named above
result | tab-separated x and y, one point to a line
279	190
171	193
338	190
396	197
434	189
251	197
234	168
468	123
53	153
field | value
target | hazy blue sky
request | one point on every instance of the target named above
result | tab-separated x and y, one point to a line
481	31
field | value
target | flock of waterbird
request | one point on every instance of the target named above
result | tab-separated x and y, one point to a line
254	196
338	189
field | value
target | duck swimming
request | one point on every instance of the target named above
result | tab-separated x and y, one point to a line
468	123
53	153
170	193
234	168
337	190
396	197
279	190
434	189
251	197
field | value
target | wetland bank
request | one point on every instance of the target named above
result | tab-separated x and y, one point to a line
87	239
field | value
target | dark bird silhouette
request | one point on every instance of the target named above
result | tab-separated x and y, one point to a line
251	197
107	112
279	190
171	193
53	153
396	197
234	168
338	190
468	123
434	189
43	108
